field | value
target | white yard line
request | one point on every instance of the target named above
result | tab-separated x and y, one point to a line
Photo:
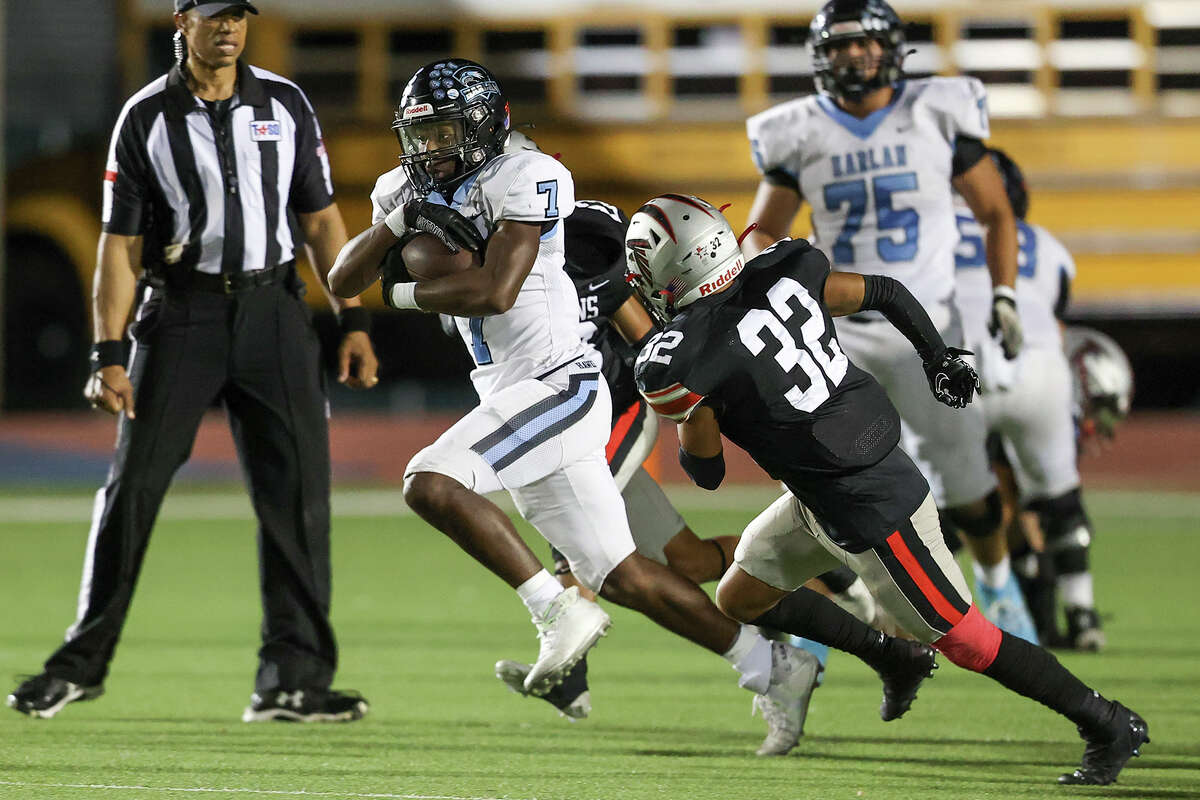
749	500
224	790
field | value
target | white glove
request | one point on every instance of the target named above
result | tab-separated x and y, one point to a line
1005	321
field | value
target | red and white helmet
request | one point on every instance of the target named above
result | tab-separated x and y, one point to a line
1103	377
678	249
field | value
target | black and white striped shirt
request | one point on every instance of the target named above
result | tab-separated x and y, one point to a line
210	192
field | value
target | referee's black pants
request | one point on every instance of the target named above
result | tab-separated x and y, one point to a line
256	350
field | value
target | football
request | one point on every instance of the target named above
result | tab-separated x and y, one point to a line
426	258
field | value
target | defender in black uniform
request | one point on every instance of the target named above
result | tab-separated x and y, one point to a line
749	351
610	318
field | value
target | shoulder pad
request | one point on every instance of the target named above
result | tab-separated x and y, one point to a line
527	186
391	189
960	103
661	372
774	134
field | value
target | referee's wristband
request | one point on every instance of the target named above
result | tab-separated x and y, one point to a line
404	295
108	353
354	319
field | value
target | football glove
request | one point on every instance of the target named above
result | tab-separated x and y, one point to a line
393	271
952	380
1006	322
450	227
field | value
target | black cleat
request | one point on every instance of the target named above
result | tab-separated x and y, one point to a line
902	679
1083	630
1107	753
571	697
44	695
306	705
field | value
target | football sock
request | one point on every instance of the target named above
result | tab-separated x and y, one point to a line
1035	673
750	655
994	575
538	592
813	616
1076	590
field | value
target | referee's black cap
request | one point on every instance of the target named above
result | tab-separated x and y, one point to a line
212	9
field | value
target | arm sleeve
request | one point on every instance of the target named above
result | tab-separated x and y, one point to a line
889	296
312	180
1064	294
968	151
126	178
707	473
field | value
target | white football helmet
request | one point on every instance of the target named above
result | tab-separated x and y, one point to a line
678	249
1103	378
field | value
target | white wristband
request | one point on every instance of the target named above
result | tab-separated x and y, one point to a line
395	221
404	295
1007	292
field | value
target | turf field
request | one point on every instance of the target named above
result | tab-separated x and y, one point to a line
420	626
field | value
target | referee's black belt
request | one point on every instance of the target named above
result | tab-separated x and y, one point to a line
230	282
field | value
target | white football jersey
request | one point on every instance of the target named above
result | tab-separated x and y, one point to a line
1042	261
541	330
879	187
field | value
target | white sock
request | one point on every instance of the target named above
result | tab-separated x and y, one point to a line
995	575
539	592
1076	590
750	655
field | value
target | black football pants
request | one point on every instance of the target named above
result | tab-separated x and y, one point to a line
257	351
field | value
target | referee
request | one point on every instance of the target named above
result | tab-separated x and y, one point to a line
207	166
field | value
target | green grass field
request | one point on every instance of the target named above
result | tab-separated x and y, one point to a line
420	626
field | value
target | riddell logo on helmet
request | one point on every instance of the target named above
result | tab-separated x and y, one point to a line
423	110
724	278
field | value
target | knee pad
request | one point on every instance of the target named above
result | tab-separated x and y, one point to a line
980	526
1068	530
972	643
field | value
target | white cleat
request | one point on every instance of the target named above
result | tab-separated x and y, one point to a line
794	675
568	629
512	674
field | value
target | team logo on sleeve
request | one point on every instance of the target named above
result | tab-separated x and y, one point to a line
265	130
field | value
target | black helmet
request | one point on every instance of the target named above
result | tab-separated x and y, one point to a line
1014	182
839	20
451	109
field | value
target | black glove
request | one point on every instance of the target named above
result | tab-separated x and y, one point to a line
393	271
952	380
452	228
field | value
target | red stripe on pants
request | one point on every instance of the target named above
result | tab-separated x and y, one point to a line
907	560
620	430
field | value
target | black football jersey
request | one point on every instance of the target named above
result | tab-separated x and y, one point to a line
595	262
764	356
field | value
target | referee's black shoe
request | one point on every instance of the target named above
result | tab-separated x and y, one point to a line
306	705
1108	750
44	695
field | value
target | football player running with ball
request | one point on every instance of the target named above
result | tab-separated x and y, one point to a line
749	351
540	429
876	156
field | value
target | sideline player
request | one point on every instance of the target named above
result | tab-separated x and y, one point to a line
1028	405
749	351
543	418
610	318
876	155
